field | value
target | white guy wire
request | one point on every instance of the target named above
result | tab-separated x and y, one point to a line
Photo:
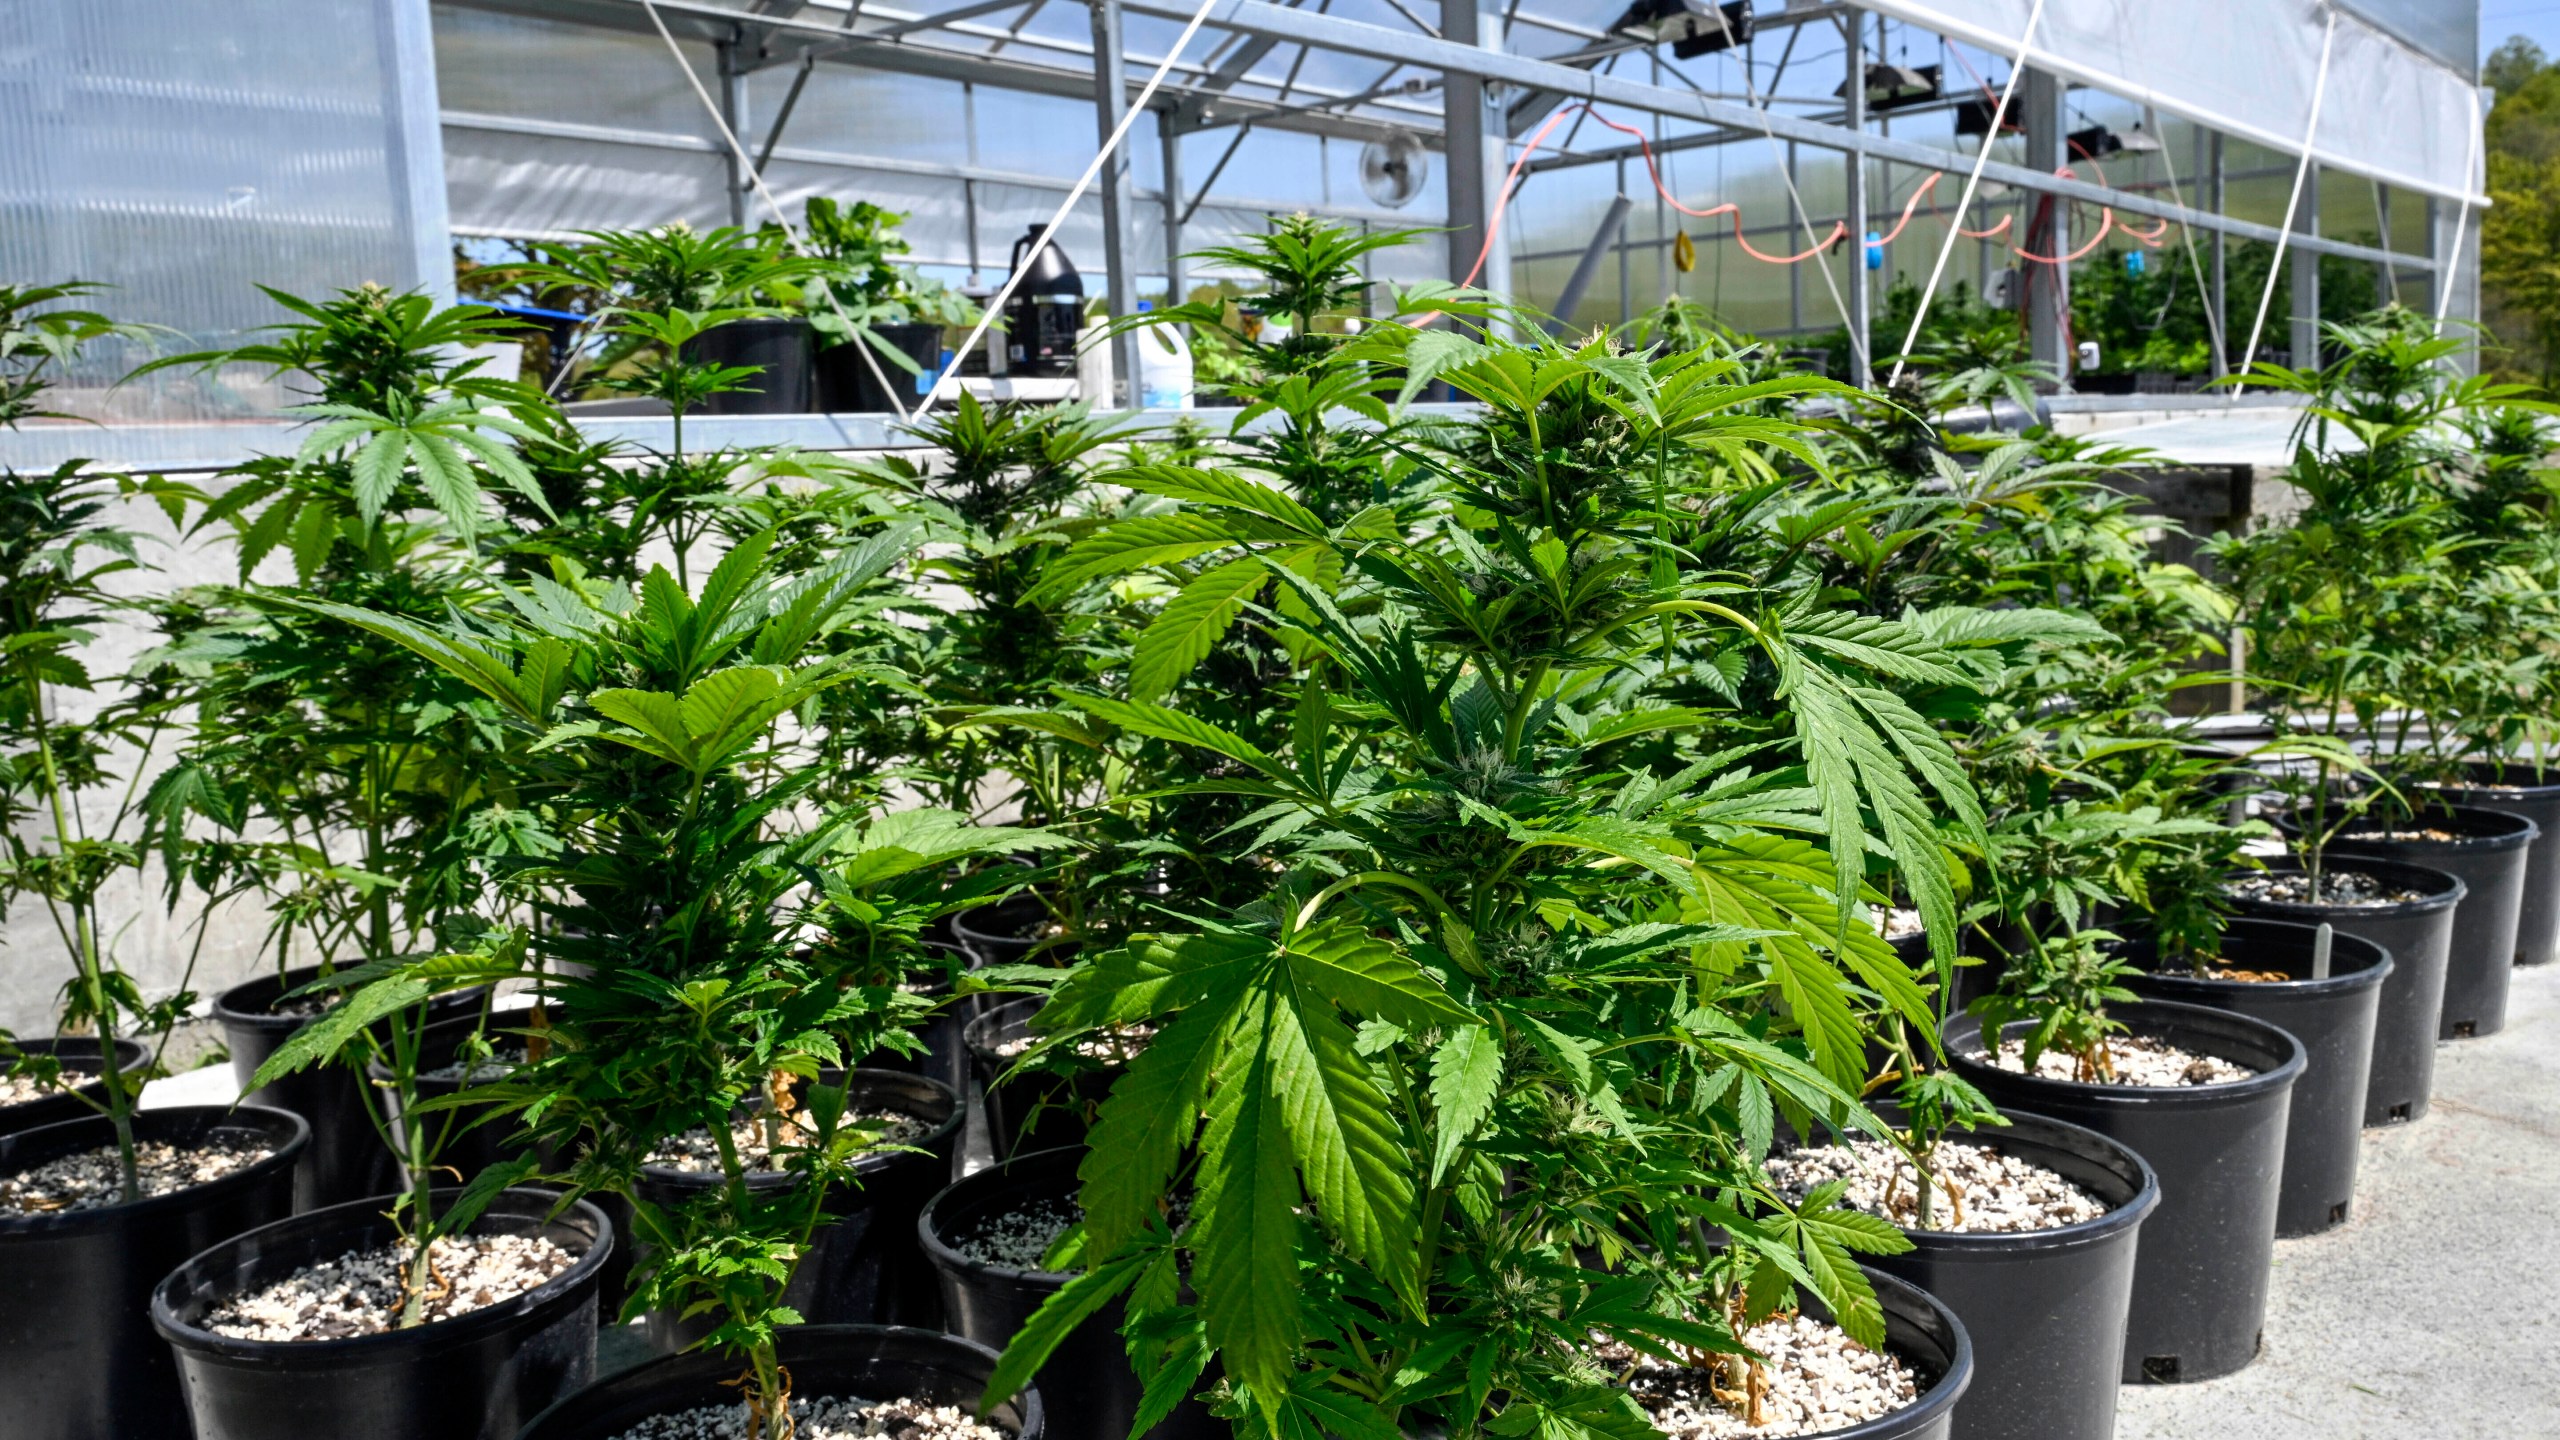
2462	218
1084	182
2187	233
2284	237
747	165
1972	182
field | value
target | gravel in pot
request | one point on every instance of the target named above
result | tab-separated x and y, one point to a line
26	1103
2408	910
985	1236
2486	851
347	1159
2039	1268
2201	1270
863	1266
2265	973
2534	794
1821	1383
78	1358
1052	1105
289	1331
693	1397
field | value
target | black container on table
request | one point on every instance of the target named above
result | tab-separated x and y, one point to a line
2045	1309
1037	1109
873	1362
784	351
2332	1017
2200	1276
2488	857
846	384
2417	933
78	1055
347	1159
2535	795
1088	1385
478	1376
78	1359
863	1266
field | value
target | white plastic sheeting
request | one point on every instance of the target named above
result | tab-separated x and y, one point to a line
2246	68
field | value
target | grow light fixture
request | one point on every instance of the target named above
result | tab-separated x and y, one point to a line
1690	27
1896	87
1973	117
2098	142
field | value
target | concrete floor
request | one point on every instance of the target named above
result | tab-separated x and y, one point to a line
2434	1314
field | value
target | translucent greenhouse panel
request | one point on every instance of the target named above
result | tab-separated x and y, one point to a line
186	151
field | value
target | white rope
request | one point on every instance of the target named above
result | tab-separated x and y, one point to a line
2284	237
1857	235
1084	182
2462	219
2195	266
791	233
1972	182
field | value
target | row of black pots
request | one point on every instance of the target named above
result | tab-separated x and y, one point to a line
796	377
77	1055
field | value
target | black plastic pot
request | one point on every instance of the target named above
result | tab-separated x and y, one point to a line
945	1057
2489	859
468	1147
877	1362
1036	1110
1003	933
78	1359
79	1056
845	380
1088	1385
2333	1018
2045	1309
2200	1275
475	1377
2535	795
2417	934
863	1267
347	1159
784	351
1928	1337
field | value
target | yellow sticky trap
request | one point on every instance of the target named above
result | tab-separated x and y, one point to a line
1684	253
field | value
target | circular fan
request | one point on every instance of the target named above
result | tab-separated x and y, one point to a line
1392	171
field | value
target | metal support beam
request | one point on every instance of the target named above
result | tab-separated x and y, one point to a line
2046	288
1119	200
1861	358
1462	104
1177	290
2305	277
733	112
2216	177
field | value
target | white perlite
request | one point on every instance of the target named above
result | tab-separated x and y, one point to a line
696	1153
2138	1059
1819	1381
359	1292
1116	1046
1994	1193
92	1179
19	1089
490	1067
1018	1238
2337	887
825	1418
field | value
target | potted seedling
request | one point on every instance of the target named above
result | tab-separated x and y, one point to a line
728	284
93	1209
879	323
2199	1094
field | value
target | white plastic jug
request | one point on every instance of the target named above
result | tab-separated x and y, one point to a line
1164	369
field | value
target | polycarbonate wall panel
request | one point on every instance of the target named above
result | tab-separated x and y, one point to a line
185	151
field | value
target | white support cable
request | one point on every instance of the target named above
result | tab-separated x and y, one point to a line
1964	203
996	303
1857	234
2301	173
755	178
2187	233
2462	218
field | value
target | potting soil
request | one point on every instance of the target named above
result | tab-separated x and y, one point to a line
92	1179
360	1293
1991	1192
2337	887
1819	1380
2138	1060
824	1418
1017	1239
19	1089
696	1153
